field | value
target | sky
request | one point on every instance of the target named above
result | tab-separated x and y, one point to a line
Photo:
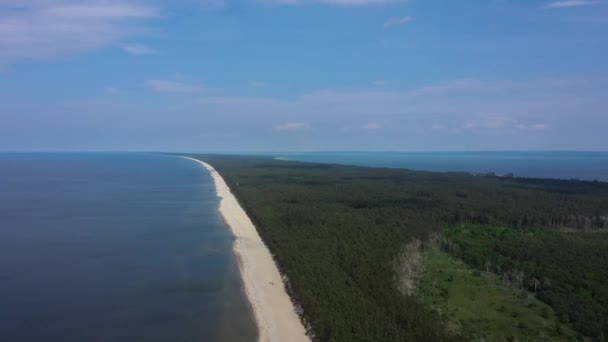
303	75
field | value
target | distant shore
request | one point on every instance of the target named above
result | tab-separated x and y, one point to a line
274	312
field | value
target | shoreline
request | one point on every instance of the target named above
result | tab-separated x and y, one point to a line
273	310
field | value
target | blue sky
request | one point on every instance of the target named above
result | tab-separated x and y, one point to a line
301	75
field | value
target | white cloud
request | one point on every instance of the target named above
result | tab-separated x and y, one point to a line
42	29
174	87
371	125
397	21
137	49
291	126
572	3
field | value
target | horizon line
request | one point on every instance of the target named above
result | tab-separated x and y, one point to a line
302	151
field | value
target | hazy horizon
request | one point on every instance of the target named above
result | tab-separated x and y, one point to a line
302	151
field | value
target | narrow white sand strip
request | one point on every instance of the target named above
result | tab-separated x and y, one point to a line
273	310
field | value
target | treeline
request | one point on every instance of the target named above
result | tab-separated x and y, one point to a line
567	271
336	231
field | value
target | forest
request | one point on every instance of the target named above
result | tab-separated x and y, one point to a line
568	271
336	231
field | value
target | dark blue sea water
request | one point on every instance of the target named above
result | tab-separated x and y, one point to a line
562	165
115	247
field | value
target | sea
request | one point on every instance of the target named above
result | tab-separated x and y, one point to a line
115	247
589	166
131	246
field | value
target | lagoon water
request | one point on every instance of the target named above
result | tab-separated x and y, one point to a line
538	164
115	247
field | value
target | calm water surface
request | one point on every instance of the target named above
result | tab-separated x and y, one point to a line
115	247
540	164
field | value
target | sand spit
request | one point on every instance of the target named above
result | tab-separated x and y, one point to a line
273	310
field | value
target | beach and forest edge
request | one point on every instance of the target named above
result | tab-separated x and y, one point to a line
303	170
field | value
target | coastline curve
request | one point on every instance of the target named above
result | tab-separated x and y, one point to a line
273	310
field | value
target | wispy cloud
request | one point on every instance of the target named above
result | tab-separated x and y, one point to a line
539	126
450	114
111	90
259	84
498	122
213	4
331	2
178	76
380	83
40	29
397	21
451	107
174	87
572	3
137	49
92	10
291	126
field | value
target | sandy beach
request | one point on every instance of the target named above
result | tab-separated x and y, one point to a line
273	310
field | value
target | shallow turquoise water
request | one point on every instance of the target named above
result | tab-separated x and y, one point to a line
115	247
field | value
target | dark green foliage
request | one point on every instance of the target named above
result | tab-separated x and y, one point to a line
335	231
568	271
481	305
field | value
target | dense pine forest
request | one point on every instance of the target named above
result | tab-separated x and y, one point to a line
336	233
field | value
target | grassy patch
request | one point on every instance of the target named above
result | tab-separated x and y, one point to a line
481	305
